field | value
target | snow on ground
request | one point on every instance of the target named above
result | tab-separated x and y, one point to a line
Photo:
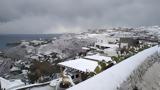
10	84
15	83
4	82
111	78
81	64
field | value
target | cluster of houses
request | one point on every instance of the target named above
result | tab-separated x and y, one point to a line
92	60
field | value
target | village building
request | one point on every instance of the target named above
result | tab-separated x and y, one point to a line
109	49
78	68
127	42
1	54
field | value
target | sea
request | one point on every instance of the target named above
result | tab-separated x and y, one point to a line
12	38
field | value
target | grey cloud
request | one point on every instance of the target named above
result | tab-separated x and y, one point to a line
56	16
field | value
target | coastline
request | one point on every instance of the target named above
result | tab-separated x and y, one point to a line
13	38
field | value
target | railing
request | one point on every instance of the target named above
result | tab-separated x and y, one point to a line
32	85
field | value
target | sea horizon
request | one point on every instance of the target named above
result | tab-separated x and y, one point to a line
11	38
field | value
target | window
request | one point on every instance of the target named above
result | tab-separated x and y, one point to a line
72	77
97	46
77	76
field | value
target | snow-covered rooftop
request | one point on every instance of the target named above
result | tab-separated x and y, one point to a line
4	82
10	84
34	57
14	69
98	57
85	48
83	65
111	78
36	41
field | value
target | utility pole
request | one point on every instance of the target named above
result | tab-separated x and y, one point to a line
0	86
158	39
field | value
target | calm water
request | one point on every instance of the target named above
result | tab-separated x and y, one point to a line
9	38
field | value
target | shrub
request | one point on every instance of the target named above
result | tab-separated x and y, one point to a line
38	69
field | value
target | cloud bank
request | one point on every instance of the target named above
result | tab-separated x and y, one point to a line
58	16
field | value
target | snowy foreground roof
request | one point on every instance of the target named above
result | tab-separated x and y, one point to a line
83	65
98	57
10	85
111	78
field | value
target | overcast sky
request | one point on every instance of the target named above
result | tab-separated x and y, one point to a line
57	16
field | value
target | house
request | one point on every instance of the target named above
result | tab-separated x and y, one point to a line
109	49
113	40
78	67
105	45
127	42
1	54
15	70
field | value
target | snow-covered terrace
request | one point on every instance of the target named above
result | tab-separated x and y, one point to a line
83	65
111	78
98	57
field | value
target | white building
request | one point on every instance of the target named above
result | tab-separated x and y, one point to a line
78	67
